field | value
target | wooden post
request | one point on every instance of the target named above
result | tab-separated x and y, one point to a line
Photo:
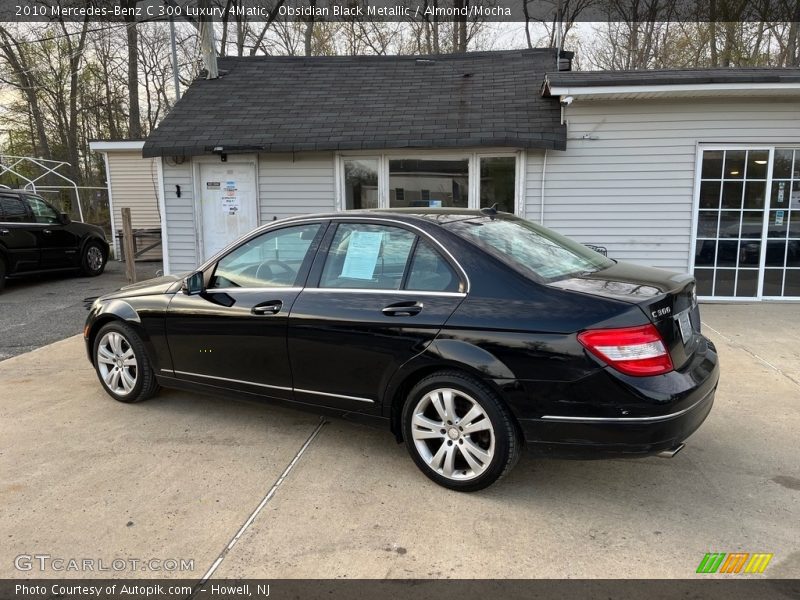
128	247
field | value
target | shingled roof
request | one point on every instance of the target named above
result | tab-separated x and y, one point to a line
283	104
671	77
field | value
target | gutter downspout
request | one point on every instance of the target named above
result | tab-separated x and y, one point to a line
111	208
541	195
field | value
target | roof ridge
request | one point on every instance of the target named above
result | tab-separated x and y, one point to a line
390	57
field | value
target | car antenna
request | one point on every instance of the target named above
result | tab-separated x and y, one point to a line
490	210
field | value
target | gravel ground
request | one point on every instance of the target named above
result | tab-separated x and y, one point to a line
43	309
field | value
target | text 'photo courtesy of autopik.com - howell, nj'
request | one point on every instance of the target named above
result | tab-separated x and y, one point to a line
414	299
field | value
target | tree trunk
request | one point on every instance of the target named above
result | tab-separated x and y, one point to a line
134	120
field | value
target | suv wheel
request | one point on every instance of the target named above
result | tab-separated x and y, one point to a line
458	432
122	364
2	273
93	261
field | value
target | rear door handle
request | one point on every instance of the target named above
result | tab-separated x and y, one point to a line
403	309
273	307
47	231
4	231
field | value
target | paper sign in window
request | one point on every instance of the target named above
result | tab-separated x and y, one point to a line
362	254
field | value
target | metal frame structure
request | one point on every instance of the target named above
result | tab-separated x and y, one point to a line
7	166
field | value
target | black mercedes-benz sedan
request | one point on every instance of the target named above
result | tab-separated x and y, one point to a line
470	334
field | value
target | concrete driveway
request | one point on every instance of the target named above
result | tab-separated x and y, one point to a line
245	490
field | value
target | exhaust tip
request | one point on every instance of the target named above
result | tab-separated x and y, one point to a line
671	452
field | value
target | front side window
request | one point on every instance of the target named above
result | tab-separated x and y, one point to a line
42	212
273	259
528	247
428	183
13	210
367	256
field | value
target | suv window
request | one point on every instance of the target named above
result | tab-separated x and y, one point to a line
42	212
273	259
367	256
13	210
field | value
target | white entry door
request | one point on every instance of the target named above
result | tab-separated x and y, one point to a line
228	203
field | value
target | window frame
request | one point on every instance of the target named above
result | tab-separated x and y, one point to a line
473	157
700	149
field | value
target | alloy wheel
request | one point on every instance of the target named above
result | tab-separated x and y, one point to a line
117	363
94	258
453	434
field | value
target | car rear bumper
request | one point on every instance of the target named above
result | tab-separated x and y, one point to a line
638	434
579	438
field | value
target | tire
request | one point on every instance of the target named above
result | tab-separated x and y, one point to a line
122	365
93	259
479	458
2	274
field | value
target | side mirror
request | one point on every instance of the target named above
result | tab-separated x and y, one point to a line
193	284
64	219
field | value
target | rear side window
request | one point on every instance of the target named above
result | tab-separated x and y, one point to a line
430	272
13	210
367	256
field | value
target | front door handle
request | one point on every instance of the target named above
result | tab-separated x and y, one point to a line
4	231
47	231
273	307
403	309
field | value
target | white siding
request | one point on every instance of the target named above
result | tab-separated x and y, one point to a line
631	189
133	182
181	226
295	184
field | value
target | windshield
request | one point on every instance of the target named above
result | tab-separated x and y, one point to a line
531	248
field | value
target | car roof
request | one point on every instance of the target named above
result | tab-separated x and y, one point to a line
434	216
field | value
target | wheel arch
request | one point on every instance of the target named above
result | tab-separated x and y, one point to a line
121	311
92	237
436	359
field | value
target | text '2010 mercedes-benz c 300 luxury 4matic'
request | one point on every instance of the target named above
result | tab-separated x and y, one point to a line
470	334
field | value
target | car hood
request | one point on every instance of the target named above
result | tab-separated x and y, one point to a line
626	282
159	285
81	228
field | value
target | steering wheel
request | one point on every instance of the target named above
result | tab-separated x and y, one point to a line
265	268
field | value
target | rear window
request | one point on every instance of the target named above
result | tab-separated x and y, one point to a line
529	248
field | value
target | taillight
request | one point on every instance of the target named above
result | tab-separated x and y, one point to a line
637	351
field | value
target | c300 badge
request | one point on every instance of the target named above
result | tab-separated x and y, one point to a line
662	312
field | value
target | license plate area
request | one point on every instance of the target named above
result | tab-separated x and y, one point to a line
685	326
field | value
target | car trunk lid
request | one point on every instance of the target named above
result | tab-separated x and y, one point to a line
667	299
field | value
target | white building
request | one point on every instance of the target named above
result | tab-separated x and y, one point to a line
693	170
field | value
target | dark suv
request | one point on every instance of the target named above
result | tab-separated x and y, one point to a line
36	238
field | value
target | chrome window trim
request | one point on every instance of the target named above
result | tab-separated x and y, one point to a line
27	223
627	419
344	218
254	289
274	387
357	398
385	291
